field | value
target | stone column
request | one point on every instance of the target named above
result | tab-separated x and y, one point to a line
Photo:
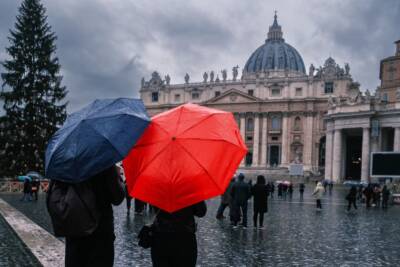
337	155
328	155
243	133
308	141
285	141
365	155
396	144
264	136
256	140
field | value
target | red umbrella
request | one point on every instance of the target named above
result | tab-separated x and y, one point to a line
186	155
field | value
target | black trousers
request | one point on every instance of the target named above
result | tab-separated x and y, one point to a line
258	214
174	250
319	205
351	201
94	250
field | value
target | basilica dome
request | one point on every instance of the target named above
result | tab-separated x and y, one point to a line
275	54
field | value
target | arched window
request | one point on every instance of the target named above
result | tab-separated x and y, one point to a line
250	125
276	123
297	123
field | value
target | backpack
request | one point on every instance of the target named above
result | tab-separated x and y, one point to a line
72	208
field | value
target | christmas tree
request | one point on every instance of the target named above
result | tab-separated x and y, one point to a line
31	92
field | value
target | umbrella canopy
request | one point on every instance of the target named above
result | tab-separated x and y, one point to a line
34	175
186	155
94	138
24	177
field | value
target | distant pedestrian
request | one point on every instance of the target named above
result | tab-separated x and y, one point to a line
174	241
280	190
301	189
376	197
225	200
35	188
128	199
260	205
385	197
330	187
27	191
351	198
318	194
290	190
272	189
368	193
240	193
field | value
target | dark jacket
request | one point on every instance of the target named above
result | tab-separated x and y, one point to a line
181	220
241	192
352	194
260	194
27	186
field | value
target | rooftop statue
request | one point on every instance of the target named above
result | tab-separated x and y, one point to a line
217	79
212	76
187	78
224	75
311	70
167	79
142	81
235	72
205	77
347	68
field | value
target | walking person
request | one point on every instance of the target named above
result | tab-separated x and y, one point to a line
240	193
97	249
128	199
368	193
174	241
301	189
351	198
27	191
272	189
260	205
290	190
225	201
385	197
35	188
376	197
318	194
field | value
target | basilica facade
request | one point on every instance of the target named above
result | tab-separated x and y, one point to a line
280	107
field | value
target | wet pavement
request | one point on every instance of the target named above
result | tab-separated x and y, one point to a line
296	234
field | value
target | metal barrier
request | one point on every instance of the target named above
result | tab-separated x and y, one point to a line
17	186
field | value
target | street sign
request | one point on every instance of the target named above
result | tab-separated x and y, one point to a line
296	169
385	164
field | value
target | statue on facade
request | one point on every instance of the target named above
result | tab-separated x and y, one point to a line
205	77
347	68
167	79
311	70
224	75
187	78
331	101
143	81
235	72
212	76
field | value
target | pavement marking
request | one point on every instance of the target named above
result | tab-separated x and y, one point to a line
44	246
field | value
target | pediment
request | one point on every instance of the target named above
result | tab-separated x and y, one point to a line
234	96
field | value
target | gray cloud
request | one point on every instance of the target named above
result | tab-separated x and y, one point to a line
105	47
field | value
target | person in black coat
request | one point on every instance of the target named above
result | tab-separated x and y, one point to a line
368	192
27	191
174	242
240	193
351	198
128	199
97	249
385	197
301	190
260	194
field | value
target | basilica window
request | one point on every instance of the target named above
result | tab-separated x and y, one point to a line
217	93
250	92
195	95
329	88
385	97
297	124
250	125
275	92
299	91
177	98
154	97
276	123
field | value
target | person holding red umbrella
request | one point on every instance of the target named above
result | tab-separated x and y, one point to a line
187	155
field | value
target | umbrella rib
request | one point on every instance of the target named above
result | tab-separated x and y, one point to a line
205	170
210	139
194	125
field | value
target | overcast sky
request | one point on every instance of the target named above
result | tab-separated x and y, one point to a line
106	46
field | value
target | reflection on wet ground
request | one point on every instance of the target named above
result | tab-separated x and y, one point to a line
295	235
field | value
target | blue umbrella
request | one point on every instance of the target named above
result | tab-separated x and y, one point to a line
24	177
94	138
34	175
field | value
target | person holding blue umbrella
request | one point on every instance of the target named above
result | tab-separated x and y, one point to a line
80	161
